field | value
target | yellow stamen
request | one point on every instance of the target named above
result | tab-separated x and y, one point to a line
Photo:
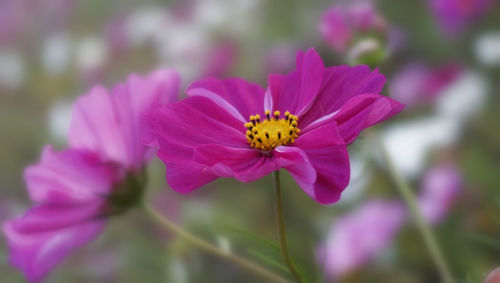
269	133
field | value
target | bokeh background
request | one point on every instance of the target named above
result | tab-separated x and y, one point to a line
441	58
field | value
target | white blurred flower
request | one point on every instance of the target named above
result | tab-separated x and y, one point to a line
56	53
360	176
487	48
409	142
12	70
464	98
59	119
146	24
91	53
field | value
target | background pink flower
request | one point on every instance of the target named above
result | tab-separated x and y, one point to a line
77	189
453	16
358	236
340	25
440	187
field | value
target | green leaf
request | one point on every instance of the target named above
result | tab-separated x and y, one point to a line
269	260
252	237
485	240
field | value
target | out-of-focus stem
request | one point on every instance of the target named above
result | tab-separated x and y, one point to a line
214	250
280	225
422	225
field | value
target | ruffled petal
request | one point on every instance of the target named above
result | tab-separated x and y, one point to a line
237	96
46	234
340	84
363	111
194	121
244	164
70	176
299	166
110	124
327	153
183	126
297	91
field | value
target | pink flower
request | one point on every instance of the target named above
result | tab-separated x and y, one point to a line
110	124
417	84
76	190
357	237
455	15
340	25
302	123
70	188
440	187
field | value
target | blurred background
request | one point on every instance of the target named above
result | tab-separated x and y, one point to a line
441	58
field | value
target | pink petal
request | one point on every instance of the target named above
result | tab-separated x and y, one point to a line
184	175
237	96
70	176
363	111
244	164
327	153
299	89
46	234
183	126
360	112
196	120
340	84
299	166
110	124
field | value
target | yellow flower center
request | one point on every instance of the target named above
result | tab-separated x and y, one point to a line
271	132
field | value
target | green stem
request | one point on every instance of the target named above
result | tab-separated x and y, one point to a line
280	225
422	225
210	248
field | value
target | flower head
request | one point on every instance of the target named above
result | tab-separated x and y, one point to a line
302	123
78	189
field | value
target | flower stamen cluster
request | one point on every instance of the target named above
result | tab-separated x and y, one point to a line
271	132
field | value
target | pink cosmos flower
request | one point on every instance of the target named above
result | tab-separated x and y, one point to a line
339	25
302	123
417	84
455	15
440	187
357	237
76	190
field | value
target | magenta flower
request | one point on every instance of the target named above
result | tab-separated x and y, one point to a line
340	25
455	15
357	237
76	190
440	187
302	123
